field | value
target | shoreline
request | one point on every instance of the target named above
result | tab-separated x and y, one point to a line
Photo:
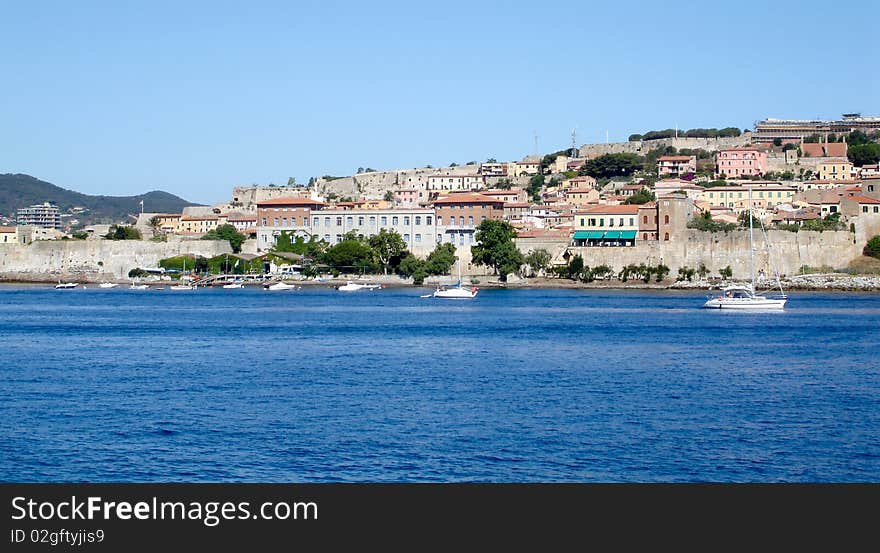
828	282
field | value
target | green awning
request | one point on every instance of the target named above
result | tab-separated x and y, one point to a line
628	234
588	235
612	235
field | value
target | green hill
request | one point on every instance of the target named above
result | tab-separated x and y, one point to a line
18	190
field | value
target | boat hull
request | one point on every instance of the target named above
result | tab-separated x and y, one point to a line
455	294
759	303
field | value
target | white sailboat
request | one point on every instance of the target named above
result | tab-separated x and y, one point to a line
181	285
740	296
234	285
108	285
456	292
350	286
65	285
281	286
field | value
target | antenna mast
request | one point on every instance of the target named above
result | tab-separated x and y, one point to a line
574	142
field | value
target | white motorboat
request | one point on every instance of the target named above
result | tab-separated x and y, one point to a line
108	285
354	287
138	286
457	292
235	285
66	285
281	286
742	297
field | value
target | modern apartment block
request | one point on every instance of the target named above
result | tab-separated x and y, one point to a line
43	215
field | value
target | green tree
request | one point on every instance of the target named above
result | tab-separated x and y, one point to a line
123	232
286	242
643	196
538	260
702	271
575	267
536	184
777	142
495	247
227	232
612	165
857	138
389	196
412	266
291	181
441	260
872	248
864	154
350	254
726	272
686	273
389	248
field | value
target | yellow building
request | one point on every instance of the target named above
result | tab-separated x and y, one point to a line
198	225
168	222
835	169
606	225
737	197
8	235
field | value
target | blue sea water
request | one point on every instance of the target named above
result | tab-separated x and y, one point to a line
516	385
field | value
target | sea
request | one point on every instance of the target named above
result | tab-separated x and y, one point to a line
516	385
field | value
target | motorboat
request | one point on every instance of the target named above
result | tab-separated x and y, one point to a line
739	296
234	285
66	285
138	286
354	287
108	285
281	286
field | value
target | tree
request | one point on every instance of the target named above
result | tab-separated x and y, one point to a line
857	138
123	232
686	273
538	260
872	248
441	259
536	184
227	232
777	142
702	271
726	272
612	165
291	181
575	267
491	160
495	247
388	247
286	242
643	196
789	146
350	254
412	266
864	154
389	196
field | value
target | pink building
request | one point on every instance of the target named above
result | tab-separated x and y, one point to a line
407	197
740	162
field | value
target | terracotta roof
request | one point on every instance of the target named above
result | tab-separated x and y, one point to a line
467	199
243	218
648	204
865	200
580	191
516	204
832	149
290	201
627	209
674	158
197	218
7	229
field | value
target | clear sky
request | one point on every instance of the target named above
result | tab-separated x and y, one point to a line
193	98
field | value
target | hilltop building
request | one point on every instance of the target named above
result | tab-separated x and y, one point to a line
43	215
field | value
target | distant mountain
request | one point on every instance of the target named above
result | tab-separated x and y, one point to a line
18	190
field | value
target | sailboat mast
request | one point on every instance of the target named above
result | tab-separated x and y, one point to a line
751	241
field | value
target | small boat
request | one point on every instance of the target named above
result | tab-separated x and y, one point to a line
138	286
108	285
66	285
457	292
235	285
281	286
182	287
354	287
741	297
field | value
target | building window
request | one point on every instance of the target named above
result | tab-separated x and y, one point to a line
666	236
284	221
349	221
327	237
372	220
644	220
461	239
276	221
439	220
406	220
471	220
865	209
644	236
428	220
666	219
264	221
418	238
418	220
439	238
632	222
383	221
394	221
483	218
876	210
406	237
461	220
339	221
360	221
601	221
621	221
316	222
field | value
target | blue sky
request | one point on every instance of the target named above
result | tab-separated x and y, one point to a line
196	97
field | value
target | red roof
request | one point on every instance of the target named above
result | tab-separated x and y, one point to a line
298	202
454	199
674	158
832	149
865	200
7	229
625	209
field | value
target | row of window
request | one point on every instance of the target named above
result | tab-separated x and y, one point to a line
632	221
865	209
740	194
383	221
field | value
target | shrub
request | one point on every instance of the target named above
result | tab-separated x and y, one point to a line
872	248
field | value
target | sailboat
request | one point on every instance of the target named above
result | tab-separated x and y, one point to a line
739	296
182	286
456	292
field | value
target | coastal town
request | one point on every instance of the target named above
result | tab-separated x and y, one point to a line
667	206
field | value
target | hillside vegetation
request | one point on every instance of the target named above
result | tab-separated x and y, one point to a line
17	190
